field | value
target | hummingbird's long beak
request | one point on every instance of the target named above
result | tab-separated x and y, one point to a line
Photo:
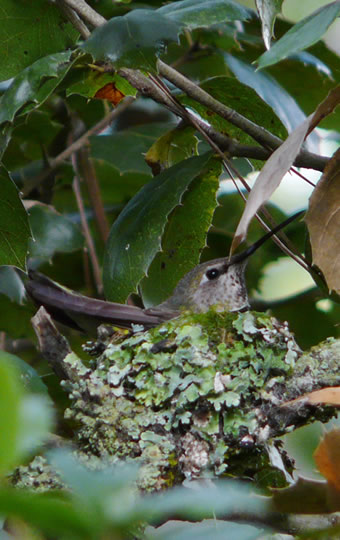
239	257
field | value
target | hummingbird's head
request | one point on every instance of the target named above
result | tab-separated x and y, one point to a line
219	282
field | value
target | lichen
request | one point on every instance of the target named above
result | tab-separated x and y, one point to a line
185	399
37	475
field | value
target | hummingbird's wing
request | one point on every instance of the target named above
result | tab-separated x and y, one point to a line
82	312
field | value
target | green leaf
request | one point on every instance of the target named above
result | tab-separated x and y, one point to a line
90	81
209	528
302	35
135	237
184	236
125	149
241	98
117	187
30	135
28	31
94	487
33	85
129	41
29	378
47	512
14	227
11	284
52	233
273	94
24	418
319	71
10	396
174	146
200	13
268	11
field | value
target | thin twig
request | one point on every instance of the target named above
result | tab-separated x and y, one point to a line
87	234
79	143
86	12
102	124
88	173
74	19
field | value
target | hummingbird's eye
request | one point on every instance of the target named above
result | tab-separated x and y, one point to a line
213	273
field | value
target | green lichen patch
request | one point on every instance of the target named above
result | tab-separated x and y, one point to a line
185	397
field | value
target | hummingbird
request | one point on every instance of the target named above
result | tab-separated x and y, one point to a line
219	282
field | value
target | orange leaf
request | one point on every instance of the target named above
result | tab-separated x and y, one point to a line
327	457
111	93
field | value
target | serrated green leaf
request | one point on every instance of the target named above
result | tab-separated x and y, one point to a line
52	233
200	13
302	35
129	41
33	85
135	237
184	236
28	31
14	227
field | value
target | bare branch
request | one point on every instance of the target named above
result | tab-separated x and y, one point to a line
85	11
74	19
87	234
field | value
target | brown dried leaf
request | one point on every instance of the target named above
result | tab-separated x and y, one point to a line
279	164
111	93
326	396
327	458
323	221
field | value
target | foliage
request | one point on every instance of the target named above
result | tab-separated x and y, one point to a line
200	94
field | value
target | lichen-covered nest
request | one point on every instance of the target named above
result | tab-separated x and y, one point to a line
188	398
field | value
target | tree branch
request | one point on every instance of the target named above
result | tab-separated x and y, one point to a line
261	135
84	11
74	19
